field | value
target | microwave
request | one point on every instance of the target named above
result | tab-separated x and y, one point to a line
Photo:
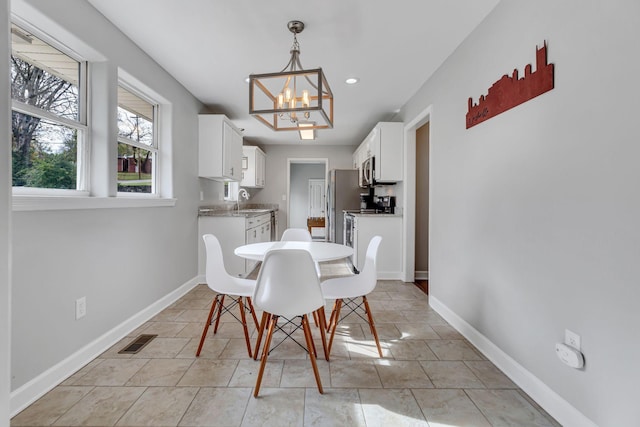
367	172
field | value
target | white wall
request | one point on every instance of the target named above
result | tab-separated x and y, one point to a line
300	175
535	212
5	219
212	192
122	260
276	171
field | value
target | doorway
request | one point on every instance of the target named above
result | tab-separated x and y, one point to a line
422	208
304	176
409	192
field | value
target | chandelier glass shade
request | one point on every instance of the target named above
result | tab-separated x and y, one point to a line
293	96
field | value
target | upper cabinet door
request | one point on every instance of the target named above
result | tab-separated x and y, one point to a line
385	142
389	152
261	160
220	148
253	168
232	152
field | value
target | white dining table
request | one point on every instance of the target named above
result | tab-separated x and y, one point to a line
320	251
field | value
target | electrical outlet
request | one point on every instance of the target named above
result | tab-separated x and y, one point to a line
201	195
81	307
572	339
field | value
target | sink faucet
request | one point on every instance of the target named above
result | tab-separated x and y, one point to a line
242	192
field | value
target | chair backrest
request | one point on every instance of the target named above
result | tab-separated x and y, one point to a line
288	284
216	274
296	235
368	277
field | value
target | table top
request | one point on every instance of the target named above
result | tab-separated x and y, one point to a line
320	251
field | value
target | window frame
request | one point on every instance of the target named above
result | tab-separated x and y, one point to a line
81	125
154	148
41	199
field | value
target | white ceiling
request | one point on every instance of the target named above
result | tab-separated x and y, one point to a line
211	46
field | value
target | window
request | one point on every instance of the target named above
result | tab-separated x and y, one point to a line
51	129
48	114
231	189
137	143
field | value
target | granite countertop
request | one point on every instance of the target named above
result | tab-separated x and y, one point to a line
229	210
371	214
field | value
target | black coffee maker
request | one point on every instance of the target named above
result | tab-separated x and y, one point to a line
386	204
368	202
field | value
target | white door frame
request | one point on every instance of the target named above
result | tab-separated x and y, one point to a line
293	160
409	213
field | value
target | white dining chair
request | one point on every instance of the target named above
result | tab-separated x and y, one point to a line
296	235
288	286
299	235
225	285
348	289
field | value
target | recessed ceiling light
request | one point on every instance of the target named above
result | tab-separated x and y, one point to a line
352	80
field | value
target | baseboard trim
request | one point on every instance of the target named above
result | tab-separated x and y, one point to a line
421	275
37	387
548	399
389	275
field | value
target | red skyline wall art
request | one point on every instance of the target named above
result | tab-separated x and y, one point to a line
509	92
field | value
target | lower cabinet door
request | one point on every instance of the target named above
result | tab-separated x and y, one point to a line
252	236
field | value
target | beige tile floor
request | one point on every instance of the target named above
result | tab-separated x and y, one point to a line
429	376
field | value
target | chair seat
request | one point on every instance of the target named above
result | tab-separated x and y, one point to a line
244	287
342	287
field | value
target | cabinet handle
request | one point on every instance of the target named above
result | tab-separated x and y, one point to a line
254	233
231	171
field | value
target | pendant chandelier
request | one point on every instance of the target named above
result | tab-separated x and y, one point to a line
294	98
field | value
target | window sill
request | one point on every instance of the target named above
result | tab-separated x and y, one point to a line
51	203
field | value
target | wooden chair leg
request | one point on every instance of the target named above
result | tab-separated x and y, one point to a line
336	312
313	345
323	335
315	319
206	325
307	335
371	325
244	325
253	311
220	305
331	319
263	323
273	320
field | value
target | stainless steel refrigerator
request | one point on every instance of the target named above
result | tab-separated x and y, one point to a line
343	193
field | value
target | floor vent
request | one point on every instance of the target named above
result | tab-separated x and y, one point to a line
137	344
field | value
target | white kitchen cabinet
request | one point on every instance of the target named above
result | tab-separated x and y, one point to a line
357	158
220	148
385	142
258	230
253	167
233	231
389	227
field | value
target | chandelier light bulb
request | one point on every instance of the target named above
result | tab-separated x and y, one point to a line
305	98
